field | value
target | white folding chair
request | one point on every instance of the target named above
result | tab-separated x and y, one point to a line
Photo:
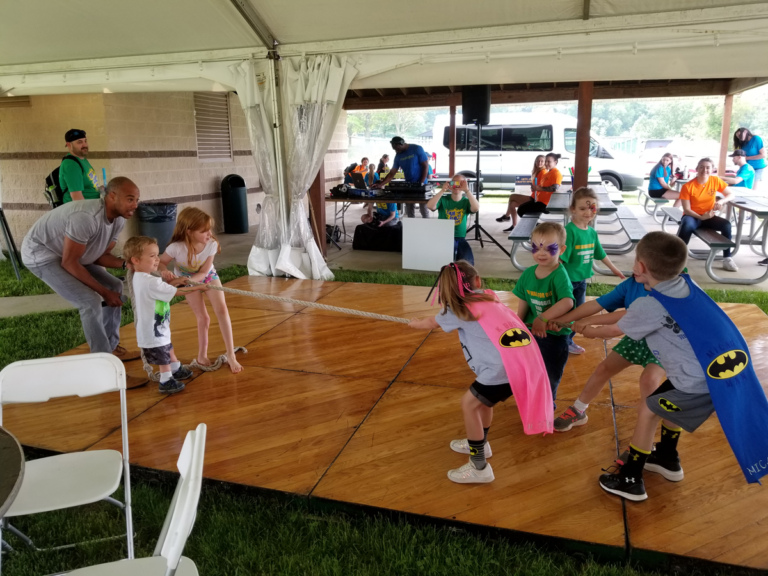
167	559
68	480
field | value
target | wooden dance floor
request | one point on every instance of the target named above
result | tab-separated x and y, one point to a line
362	411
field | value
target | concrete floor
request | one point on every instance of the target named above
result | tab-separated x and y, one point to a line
490	261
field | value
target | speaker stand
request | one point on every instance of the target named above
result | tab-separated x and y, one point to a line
479	230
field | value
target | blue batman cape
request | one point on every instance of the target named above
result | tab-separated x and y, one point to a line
737	395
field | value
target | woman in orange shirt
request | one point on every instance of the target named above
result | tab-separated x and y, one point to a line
516	200
700	207
547	185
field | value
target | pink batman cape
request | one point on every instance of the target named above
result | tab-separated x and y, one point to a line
522	362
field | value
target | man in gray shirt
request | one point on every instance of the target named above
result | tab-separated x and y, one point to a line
69	248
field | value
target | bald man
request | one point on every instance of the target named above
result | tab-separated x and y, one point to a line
70	247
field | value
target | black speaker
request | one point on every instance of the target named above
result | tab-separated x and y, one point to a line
476	104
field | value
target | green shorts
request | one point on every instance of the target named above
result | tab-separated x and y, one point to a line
636	352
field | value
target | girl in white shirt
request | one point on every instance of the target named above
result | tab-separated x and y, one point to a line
193	247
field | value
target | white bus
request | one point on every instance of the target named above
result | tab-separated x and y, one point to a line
511	142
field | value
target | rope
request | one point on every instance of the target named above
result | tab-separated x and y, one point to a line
155	376
304	303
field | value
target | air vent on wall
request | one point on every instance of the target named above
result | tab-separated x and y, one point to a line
214	142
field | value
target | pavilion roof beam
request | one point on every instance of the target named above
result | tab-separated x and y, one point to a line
585	15
738	85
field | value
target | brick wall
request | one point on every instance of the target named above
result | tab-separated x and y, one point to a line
148	137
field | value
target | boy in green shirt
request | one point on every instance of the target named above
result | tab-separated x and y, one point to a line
546	287
456	207
77	177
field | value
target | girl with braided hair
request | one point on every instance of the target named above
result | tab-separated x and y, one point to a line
496	344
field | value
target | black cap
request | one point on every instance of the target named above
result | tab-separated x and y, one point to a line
738	153
397	141
73	135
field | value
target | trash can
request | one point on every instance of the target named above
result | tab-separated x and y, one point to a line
157	220
234	204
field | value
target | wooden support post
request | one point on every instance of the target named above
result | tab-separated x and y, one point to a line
584	123
725	134
452	143
317	209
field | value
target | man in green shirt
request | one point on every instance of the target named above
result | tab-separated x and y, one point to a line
456	207
77	177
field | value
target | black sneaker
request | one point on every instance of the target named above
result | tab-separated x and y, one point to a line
509	229
183	373
504	218
629	487
669	467
763	262
170	386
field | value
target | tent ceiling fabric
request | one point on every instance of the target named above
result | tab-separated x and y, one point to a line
149	45
62	30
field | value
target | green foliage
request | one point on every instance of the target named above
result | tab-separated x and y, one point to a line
30	284
239	534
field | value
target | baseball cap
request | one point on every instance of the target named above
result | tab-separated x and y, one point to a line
74	134
397	141
738	153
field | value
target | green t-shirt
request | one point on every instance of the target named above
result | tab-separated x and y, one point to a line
447	209
542	294
77	178
581	248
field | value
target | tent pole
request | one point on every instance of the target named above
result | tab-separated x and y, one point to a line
277	134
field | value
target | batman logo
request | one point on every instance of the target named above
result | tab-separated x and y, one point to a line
668	406
514	338
727	365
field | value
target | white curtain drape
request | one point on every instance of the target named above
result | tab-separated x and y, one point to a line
313	91
254	89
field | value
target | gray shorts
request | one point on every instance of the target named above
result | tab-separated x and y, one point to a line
687	410
159	356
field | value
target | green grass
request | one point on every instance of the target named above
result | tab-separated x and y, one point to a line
30	285
244	532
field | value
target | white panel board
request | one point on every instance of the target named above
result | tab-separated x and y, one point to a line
427	243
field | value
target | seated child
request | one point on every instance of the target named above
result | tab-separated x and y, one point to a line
708	367
386	215
460	204
152	298
546	287
496	346
623	355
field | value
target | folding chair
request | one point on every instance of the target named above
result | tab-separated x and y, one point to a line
68	480
167	559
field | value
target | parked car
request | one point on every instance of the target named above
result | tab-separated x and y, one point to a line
510	143
686	155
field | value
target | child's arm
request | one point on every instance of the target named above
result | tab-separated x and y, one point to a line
167	275
612	268
598	320
428	323
389	219
587	309
539	326
604	332
178	282
200	275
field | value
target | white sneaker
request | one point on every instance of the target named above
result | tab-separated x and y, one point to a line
730	265
462	447
574	348
468	474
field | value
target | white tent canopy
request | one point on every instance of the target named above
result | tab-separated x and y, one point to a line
55	47
190	44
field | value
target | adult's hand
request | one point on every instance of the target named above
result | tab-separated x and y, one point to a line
112	298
